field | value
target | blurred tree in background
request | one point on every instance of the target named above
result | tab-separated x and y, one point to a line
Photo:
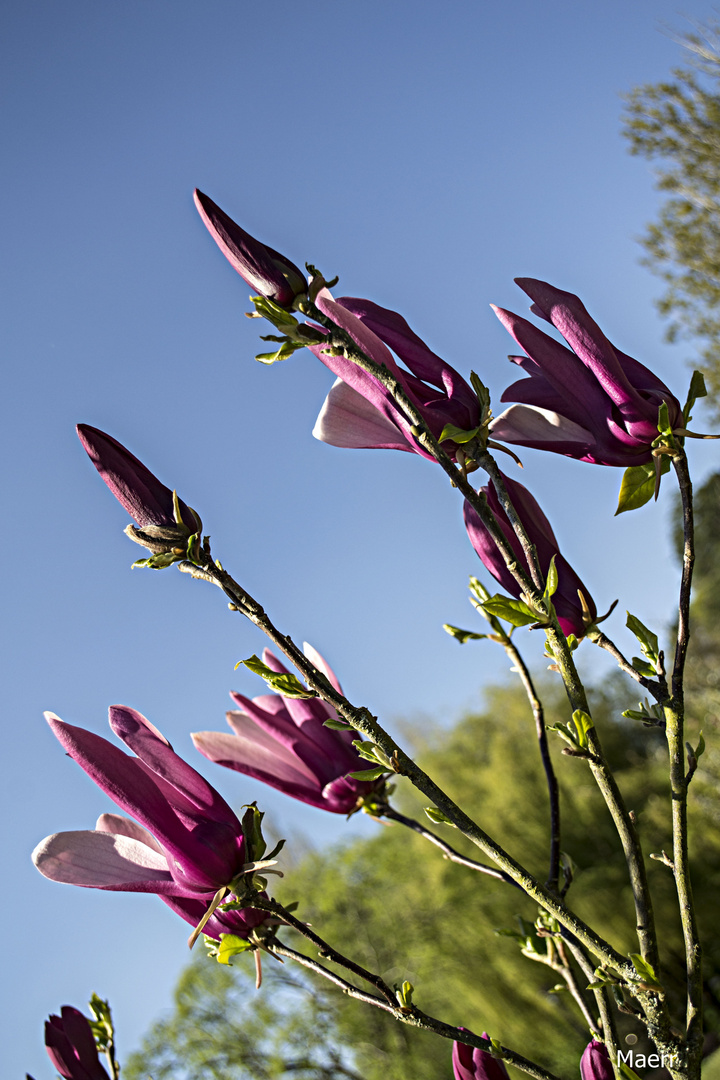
676	126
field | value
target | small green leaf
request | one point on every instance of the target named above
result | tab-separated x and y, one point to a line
368	750
637	487
644	969
283	683
285	351
338	725
627	1072
583	723
478	590
462	635
368	774
643	667
648	640
697	390
551	582
664	427
456	434
438	817
231	945
700	749
513	611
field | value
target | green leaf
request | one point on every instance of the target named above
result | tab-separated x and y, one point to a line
283	683
458	435
643	667
645	970
648	640
697	390
478	590
438	817
700	749
368	774
513	611
338	725
462	635
283	353
627	1071
637	487
551	582
583	723
368	750
664	420
231	945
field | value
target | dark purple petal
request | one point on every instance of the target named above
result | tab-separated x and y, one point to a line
566	601
71	1047
146	500
595	1063
265	270
471	1063
155	751
203	857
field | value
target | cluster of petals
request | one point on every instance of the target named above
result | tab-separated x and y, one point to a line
590	401
71	1046
566	599
471	1063
359	412
283	742
183	842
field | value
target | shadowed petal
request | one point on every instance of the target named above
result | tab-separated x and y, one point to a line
347	419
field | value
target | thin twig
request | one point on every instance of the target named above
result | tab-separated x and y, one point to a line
651	685
450	853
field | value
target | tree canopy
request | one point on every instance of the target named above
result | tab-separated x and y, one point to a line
676	126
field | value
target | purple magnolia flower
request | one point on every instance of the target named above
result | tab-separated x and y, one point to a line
71	1047
594	403
184	843
265	270
472	1064
282	741
566	600
147	501
359	412
595	1063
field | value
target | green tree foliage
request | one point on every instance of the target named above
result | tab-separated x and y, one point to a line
676	126
395	905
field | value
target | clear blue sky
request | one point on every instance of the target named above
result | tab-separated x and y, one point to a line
428	154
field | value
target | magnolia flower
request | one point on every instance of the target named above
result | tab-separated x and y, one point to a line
282	741
566	599
593	403
473	1064
71	1047
595	1063
265	270
359	411
185	842
153	506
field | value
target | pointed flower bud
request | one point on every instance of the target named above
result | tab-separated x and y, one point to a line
71	1046
165	522
595	1063
568	606
265	270
591	401
470	1063
283	742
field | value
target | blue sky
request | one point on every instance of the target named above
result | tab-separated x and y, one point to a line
427	154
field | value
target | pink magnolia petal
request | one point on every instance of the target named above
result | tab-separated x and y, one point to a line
99	860
348	420
118	825
322	665
251	748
